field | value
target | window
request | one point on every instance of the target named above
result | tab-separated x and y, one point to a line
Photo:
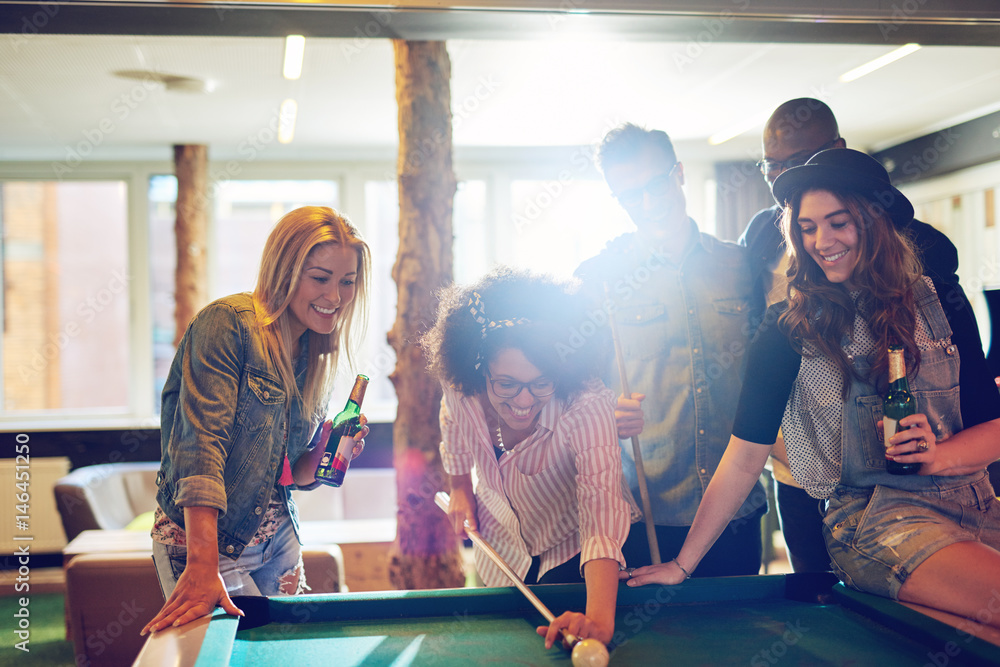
376	358
381	230
65	297
243	215
472	251
86	335
557	224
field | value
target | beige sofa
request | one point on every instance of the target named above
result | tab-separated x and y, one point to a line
105	497
111	595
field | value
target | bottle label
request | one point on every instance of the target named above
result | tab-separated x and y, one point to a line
334	463
345	449
891	427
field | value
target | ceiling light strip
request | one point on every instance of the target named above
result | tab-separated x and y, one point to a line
878	63
736	130
295	48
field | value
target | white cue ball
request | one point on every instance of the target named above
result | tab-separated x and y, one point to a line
590	653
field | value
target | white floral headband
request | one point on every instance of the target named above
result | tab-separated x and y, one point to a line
478	312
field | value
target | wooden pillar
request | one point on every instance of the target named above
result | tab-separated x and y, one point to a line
191	232
425	553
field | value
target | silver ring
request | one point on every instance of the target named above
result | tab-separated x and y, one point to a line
630	571
923	446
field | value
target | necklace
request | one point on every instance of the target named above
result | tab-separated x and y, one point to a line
500	437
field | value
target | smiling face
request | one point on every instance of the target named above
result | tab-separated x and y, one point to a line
829	235
325	288
519	413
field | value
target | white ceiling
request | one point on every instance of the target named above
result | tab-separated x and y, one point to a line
59	93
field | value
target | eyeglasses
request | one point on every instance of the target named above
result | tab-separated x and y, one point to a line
770	167
505	388
658	186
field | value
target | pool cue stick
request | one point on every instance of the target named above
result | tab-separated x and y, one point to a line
640	471
443	501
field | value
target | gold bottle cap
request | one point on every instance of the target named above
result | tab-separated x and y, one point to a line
358	392
897	366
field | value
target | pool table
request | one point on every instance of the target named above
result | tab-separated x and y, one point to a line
757	621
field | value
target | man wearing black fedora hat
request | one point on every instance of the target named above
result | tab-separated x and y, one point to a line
795	131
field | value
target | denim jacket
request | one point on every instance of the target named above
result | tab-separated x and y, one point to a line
223	424
684	331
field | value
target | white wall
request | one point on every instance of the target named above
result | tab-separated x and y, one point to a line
956	204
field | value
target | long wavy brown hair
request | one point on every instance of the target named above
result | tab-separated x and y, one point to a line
821	314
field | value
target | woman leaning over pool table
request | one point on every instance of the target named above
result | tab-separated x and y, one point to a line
818	367
523	409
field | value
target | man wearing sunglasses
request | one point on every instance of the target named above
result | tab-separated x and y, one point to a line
680	299
797	130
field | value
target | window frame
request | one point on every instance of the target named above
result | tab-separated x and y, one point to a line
139	411
497	168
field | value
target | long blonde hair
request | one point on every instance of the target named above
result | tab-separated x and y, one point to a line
294	236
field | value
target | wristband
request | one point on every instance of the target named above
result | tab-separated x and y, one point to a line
687	575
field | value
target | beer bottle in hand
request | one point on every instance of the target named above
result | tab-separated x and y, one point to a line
340	446
897	403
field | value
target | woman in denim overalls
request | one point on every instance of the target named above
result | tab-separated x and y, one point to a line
242	404
818	367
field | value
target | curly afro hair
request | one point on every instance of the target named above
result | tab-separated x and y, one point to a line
554	328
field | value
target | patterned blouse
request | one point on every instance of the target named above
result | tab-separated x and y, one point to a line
166	531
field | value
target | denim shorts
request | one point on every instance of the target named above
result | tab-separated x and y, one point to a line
877	537
258	571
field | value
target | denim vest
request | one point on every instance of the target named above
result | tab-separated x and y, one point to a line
684	332
936	389
223	424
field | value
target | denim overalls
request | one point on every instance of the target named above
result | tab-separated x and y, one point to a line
880	527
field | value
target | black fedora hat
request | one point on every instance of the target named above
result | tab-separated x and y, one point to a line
846	169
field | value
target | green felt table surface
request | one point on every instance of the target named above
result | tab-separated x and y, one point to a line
767	620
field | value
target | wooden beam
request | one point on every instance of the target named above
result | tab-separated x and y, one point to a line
191	232
927	22
425	554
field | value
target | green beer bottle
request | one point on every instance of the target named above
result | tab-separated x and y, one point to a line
897	403
339	448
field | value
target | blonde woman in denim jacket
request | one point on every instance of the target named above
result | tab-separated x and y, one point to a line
241	413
